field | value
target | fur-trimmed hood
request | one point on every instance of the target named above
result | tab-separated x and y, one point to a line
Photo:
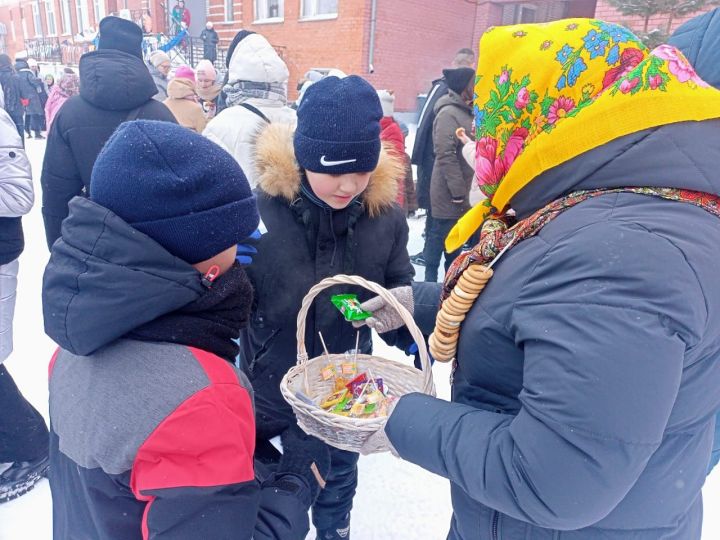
279	174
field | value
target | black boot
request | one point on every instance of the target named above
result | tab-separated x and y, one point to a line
21	477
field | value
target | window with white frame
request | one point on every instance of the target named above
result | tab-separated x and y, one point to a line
37	22
50	14
229	11
319	8
66	18
99	8
82	15
269	9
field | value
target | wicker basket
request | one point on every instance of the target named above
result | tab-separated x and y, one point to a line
339	431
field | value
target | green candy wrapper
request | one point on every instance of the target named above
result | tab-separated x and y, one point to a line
349	306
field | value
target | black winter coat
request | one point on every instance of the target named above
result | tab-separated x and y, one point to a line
304	244
11	90
423	154
30	88
210	41
114	87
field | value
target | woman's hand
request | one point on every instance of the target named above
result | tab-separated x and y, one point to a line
384	317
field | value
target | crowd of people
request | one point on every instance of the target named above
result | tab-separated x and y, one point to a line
32	102
585	363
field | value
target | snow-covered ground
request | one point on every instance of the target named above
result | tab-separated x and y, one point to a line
395	500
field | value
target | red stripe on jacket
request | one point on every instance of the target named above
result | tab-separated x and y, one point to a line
51	365
208	440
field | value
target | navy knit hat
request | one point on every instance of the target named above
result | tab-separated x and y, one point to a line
338	127
121	35
176	186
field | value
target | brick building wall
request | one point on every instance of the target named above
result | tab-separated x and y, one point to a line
302	43
415	40
607	12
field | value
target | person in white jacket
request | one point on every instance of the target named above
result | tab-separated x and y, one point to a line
256	95
24	436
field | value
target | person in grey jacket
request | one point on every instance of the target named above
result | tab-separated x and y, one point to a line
23	434
451	176
585	377
699	39
159	67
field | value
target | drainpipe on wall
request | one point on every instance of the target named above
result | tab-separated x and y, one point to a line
373	24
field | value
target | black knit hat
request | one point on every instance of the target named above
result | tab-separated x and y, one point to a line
196	201
121	35
338	127
5	61
458	79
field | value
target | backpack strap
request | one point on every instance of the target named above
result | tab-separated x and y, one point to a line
256	111
133	114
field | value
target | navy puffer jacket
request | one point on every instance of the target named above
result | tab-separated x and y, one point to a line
586	387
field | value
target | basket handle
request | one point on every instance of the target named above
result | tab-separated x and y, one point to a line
343	279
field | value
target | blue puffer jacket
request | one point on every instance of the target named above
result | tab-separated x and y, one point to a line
586	387
699	40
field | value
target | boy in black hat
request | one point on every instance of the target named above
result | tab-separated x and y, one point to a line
327	199
152	426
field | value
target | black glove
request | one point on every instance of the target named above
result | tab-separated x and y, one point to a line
305	456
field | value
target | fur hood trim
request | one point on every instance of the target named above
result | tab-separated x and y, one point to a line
279	174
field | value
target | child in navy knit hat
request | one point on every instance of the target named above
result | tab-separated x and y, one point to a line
152	425
326	195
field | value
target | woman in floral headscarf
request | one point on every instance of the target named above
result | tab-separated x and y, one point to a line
60	92
586	371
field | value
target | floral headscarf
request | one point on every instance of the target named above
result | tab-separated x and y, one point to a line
546	93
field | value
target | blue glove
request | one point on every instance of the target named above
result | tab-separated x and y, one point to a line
246	250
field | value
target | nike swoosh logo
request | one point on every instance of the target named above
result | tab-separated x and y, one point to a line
324	162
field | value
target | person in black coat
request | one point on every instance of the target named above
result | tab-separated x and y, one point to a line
10	83
210	41
31	87
423	153
115	87
312	233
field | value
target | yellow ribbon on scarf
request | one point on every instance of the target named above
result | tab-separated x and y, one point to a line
546	93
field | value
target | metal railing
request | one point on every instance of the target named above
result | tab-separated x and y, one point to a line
193	51
51	49
44	49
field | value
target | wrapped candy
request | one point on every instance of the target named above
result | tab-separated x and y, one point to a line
349	306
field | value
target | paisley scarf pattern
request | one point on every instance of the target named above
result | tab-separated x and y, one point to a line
500	234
